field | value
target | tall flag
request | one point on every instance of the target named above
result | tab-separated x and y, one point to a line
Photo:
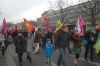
46	23
29	26
46	19
4	26
46	26
58	25
80	25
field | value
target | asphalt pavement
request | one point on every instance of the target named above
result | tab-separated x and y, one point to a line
11	58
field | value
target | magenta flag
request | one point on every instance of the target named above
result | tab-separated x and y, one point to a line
4	26
46	19
81	23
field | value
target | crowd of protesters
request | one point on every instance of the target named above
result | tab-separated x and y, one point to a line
49	41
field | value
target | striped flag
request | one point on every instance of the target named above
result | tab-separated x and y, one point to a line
29	26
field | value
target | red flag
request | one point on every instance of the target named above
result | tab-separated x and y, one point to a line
46	19
4	26
30	26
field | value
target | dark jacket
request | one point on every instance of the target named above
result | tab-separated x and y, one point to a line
20	44
76	41
62	39
37	38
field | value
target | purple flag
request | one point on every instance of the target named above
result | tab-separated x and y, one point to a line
4	26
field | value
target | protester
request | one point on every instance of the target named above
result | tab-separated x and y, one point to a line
44	37
37	41
62	42
90	38
50	35
2	44
77	44
8	40
21	46
48	50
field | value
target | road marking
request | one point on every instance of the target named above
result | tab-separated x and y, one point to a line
53	64
94	63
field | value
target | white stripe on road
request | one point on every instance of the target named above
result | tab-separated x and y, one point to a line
94	63
53	64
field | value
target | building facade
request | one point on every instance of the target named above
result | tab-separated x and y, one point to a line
71	14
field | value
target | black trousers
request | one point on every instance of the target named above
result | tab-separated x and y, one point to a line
89	50
3	51
20	54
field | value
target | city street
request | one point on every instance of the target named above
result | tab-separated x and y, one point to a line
39	60
49	32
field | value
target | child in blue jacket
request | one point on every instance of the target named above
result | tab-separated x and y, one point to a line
48	51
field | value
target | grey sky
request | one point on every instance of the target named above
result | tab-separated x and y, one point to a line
15	10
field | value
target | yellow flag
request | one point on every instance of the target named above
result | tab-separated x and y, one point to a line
58	25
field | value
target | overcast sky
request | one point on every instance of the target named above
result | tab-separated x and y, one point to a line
15	10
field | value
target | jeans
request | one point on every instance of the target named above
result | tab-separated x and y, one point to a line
61	59
48	60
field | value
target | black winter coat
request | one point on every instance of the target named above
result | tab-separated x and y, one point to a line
20	44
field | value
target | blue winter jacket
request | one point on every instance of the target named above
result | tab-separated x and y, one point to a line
48	49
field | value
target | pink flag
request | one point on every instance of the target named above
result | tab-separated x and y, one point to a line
80	25
4	26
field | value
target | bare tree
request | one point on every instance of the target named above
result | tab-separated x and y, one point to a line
90	8
59	9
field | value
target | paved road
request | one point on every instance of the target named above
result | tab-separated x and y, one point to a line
38	60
